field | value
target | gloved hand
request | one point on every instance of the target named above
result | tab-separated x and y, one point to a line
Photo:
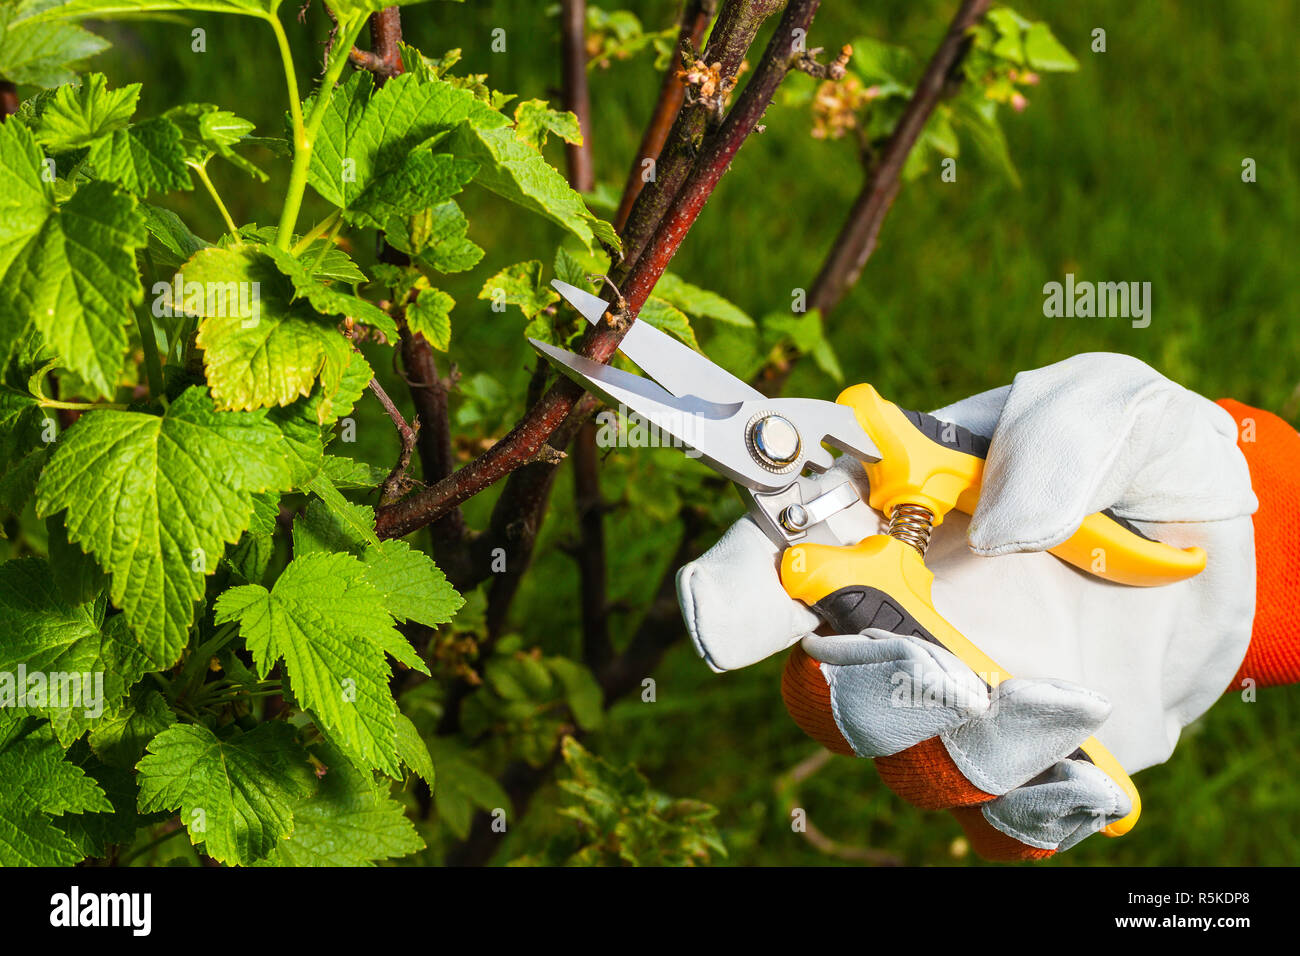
1131	666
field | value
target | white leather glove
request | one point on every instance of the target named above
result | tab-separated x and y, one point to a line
1131	666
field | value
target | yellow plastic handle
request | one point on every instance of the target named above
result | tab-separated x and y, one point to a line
917	469
813	573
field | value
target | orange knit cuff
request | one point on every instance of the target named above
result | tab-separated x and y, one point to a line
1272	451
808	699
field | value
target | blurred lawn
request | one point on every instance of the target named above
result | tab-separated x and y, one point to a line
1131	171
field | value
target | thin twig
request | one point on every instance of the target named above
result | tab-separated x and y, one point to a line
786	786
397	483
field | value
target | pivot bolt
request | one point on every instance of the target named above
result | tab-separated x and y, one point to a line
774	442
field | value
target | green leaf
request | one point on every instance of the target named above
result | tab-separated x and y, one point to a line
622	821
273	355
40	784
664	315
517	172
1045	52
324	528
77	576
804	330
236	795
518	677
349	821
437	239
355	521
207	130
121	738
520	285
979	119
365	160
581	691
301	421
86	668
333	649
430	315
569	269
462	786
700	303
147	158
534	119
94	833
303	443
413	587
327	300
414	751
19	483
155	500
170	240
325	259
349	475
885	65
67	270
422	181
45	55
80	113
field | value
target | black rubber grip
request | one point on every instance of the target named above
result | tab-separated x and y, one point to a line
961	439
853	609
948	434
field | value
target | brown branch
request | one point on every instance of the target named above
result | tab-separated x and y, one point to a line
733	34
454	543
590	551
397	483
856	240
600	343
577	100
520	511
718	151
586	462
695	17
9	102
384	58
455	546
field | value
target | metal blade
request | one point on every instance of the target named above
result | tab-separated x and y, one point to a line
673	364
719	432
589	306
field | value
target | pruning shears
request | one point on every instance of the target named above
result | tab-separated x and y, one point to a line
918	469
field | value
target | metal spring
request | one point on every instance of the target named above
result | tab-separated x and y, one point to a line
913	525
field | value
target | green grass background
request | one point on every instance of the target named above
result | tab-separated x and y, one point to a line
1131	170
